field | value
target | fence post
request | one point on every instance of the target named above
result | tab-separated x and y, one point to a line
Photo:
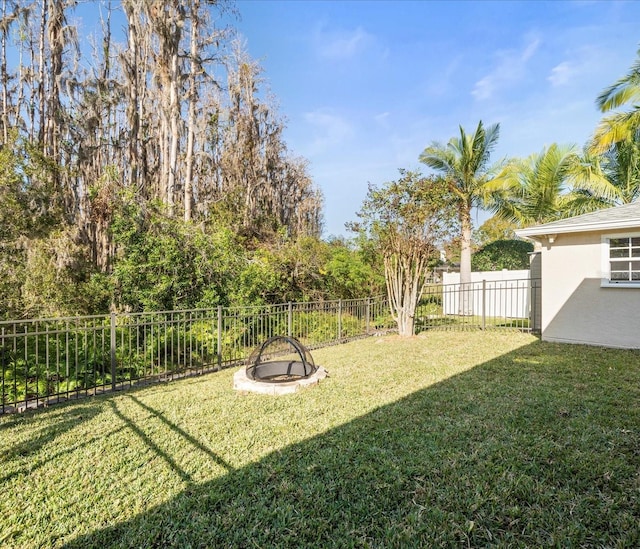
339	319
113	350
290	320
484	301
219	342
368	314
2	365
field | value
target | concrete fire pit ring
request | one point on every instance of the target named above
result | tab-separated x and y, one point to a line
280	365
243	384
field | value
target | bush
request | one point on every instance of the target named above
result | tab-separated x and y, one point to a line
165	264
502	254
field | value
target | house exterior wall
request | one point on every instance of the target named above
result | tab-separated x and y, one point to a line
536	291
575	308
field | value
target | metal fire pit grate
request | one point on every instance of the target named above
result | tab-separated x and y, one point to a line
280	359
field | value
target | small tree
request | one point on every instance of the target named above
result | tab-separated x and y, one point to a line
407	218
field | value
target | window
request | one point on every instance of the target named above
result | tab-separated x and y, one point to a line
624	259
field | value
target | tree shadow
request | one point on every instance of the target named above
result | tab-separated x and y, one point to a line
149	442
57	423
515	452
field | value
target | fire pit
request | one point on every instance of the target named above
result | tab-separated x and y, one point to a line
280	365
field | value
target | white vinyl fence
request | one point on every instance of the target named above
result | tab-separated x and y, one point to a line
507	294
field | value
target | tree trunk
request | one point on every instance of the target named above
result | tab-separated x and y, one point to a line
466	305
4	75
167	21
404	276
42	75
174	118
29	74
21	81
191	121
54	108
132	110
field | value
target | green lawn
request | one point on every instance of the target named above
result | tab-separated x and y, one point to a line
447	439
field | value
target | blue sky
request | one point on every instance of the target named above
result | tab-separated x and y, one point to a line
366	86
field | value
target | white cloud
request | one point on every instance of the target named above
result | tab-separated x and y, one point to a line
440	82
329	130
509	69
382	119
484	88
582	65
530	50
341	44
561	74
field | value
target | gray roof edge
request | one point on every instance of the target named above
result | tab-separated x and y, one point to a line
601	220
546	229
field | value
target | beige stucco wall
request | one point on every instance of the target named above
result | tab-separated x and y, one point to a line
575	308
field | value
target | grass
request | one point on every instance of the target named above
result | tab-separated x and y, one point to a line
460	322
446	439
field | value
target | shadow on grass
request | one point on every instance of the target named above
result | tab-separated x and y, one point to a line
534	448
61	418
148	441
64	420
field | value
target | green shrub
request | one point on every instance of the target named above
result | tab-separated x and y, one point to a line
502	254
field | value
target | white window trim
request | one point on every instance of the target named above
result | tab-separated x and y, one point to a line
605	281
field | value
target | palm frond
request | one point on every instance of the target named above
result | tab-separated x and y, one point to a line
621	166
626	90
439	158
492	134
581	201
509	211
613	129
533	190
586	177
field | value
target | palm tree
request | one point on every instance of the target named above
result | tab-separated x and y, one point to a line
553	184
620	126
530	191
620	166
617	137
464	161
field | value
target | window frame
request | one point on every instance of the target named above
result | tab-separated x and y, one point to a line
606	281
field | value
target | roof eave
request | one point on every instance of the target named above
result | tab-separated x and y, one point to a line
543	230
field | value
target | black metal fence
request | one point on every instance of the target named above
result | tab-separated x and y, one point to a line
54	359
50	360
481	305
